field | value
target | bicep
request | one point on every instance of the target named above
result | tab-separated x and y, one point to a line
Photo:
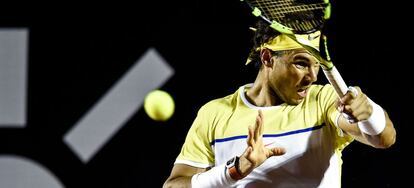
181	175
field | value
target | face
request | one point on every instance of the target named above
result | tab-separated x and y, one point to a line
291	75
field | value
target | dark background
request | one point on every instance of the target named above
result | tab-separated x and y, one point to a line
77	51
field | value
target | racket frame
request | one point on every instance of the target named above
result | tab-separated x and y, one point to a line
329	69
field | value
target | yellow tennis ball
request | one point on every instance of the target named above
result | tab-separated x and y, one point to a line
159	105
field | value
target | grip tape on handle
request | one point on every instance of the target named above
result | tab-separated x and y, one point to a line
336	81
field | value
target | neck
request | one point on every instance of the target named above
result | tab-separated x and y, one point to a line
261	94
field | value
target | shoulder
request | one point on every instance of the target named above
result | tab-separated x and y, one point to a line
322	95
317	90
220	104
212	112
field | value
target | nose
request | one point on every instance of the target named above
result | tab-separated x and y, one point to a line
312	74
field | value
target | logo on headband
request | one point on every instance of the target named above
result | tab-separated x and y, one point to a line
310	37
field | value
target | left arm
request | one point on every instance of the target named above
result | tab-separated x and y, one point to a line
366	116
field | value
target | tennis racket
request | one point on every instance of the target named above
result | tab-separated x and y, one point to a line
292	17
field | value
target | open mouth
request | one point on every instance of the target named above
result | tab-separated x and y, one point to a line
303	92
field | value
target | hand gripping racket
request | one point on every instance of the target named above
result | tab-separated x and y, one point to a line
292	17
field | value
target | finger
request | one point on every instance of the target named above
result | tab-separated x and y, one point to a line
340	106
277	151
359	105
349	115
257	127
250	134
347	98
350	95
261	123
362	109
349	118
348	110
354	105
248	153
361	101
354	91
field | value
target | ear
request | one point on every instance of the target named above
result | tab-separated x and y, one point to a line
265	57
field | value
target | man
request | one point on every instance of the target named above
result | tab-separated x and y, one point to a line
282	130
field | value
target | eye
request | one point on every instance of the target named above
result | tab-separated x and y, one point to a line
301	65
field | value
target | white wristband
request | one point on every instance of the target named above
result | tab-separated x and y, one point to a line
217	177
375	124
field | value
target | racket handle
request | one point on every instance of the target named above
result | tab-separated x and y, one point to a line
336	81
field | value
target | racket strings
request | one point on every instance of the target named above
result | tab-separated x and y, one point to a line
298	16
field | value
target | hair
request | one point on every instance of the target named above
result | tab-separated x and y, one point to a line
264	33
